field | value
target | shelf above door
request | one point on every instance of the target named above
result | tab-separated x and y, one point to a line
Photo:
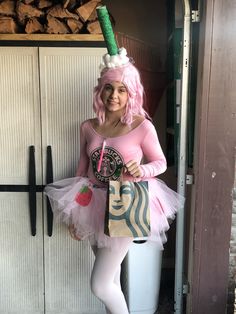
51	37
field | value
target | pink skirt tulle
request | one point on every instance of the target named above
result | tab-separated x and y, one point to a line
79	202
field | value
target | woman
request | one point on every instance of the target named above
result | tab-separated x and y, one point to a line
120	141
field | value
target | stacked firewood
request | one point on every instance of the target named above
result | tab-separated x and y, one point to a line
48	16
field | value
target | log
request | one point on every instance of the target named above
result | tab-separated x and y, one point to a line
94	27
87	9
93	16
8	25
33	26
70	4
7	8
28	1
42	4
59	12
74	25
65	3
25	11
54	26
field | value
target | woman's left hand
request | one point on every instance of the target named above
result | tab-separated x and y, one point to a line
133	168
72	232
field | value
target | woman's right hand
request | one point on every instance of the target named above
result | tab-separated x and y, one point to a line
72	232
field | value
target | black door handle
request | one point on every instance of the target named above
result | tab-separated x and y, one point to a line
32	190
49	179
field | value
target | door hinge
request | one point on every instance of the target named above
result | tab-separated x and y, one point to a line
186	288
195	16
189	179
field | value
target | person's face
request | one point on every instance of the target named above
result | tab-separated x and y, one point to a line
114	96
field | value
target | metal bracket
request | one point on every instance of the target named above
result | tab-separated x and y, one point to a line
195	16
189	179
186	288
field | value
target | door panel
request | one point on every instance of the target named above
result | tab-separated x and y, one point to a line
21	262
20	115
67	76
68	266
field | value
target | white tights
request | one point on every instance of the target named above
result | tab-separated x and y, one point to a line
105	278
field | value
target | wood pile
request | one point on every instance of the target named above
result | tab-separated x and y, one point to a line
50	17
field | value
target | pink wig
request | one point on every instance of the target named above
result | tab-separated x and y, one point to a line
129	76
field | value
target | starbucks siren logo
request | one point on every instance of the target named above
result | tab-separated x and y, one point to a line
111	167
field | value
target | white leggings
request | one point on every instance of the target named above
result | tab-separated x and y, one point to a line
105	278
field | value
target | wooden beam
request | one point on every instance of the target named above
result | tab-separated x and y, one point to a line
52	37
214	158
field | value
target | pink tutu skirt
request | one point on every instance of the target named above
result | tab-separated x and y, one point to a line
79	202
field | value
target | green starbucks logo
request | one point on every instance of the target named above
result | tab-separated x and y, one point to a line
111	167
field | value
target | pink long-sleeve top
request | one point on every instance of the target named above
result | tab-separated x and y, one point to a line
140	144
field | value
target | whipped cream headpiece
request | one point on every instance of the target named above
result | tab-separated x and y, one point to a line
116	57
115	61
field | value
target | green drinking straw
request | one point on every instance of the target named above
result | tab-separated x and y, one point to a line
107	30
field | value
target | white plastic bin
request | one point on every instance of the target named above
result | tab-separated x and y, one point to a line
141	275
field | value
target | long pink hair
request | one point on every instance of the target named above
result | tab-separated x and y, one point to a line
129	76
